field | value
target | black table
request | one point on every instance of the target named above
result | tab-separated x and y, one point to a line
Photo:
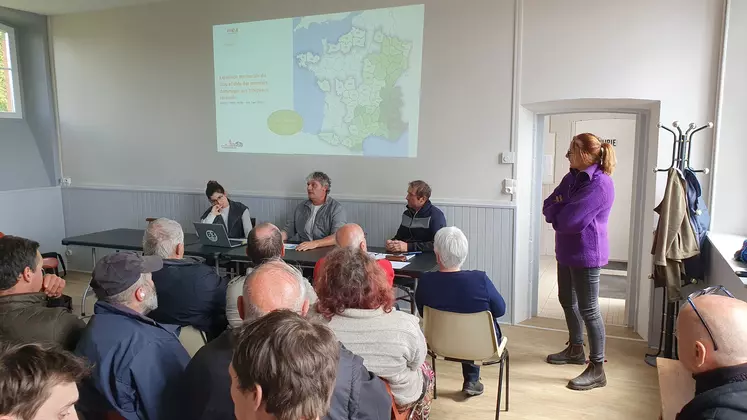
419	264
406	278
119	239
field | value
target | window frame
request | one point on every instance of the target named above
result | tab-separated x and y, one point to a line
15	84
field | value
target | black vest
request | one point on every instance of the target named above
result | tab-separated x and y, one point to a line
235	225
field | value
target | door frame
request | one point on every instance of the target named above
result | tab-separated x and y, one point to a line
639	303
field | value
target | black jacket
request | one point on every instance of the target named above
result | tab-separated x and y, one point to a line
191	293
418	228
206	392
720	394
235	226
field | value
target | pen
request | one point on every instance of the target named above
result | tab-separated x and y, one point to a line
413	253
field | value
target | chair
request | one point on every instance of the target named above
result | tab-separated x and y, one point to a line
408	285
192	339
467	338
51	262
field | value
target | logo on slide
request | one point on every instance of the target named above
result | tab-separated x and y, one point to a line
212	237
232	145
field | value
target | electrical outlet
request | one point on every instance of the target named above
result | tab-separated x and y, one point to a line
509	186
508	157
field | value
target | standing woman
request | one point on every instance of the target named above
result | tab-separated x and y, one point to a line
234	215
579	211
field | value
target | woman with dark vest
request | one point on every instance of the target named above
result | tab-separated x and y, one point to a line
579	211
234	215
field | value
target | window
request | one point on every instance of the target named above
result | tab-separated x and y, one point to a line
10	93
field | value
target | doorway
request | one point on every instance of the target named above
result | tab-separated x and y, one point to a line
619	130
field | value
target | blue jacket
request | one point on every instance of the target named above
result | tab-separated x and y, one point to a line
137	365
700	219
418	228
190	293
463	292
206	392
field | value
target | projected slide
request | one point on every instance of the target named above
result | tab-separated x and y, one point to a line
339	84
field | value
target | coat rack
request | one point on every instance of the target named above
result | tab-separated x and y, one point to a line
681	161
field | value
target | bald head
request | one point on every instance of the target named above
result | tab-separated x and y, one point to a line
271	286
264	242
725	317
351	235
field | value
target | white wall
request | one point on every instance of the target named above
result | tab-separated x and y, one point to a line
730	199
136	102
664	50
35	214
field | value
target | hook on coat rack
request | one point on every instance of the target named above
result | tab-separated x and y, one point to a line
681	146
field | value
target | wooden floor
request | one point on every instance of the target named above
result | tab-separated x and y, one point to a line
537	389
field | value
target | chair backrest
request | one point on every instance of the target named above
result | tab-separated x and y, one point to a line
192	339
460	336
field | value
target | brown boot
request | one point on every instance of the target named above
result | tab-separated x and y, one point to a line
573	355
593	377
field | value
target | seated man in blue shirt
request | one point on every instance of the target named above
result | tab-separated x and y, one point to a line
453	290
189	291
137	362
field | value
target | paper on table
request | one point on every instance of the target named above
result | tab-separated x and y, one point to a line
290	246
380	256
399	264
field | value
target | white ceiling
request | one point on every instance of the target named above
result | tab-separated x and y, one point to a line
59	7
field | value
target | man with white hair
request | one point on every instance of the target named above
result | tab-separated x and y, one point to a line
189	291
351	235
315	221
452	289
206	393
712	344
137	362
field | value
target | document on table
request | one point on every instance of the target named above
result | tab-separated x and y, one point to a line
290	246
381	256
399	264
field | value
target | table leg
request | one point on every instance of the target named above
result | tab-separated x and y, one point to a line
88	286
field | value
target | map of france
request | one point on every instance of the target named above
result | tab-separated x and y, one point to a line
339	84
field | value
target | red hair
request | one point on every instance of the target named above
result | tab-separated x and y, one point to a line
352	279
592	151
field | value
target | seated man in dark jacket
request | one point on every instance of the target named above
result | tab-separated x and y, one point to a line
358	394
138	363
712	344
453	290
189	292
420	221
26	296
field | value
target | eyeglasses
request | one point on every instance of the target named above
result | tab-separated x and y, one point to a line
707	291
217	200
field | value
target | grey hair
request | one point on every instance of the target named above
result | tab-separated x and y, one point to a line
162	237
451	246
251	311
125	298
321	178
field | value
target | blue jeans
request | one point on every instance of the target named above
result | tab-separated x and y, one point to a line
470	372
578	292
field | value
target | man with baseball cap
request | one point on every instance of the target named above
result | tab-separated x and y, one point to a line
137	362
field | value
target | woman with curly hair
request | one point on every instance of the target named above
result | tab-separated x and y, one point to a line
356	299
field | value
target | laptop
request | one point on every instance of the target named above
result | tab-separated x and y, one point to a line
215	234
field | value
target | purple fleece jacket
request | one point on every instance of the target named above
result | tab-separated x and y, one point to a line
580	217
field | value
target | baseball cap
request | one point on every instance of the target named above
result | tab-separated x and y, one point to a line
115	273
